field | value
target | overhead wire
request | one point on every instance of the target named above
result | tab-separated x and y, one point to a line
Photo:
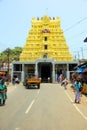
77	35
74	25
78	22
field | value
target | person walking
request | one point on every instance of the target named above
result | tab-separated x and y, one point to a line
65	83
17	80
13	81
77	86
3	92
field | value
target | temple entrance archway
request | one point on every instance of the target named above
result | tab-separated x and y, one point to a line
45	71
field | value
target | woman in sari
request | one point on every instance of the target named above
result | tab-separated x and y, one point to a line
3	92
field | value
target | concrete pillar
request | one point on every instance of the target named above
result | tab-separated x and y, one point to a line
12	72
68	74
56	73
36	70
53	73
22	73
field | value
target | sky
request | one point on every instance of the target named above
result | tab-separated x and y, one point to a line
16	16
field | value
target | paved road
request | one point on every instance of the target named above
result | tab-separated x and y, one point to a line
48	108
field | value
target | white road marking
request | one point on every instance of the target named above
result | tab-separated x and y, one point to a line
28	109
85	117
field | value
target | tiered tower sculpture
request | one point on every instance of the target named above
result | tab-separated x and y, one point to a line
46	40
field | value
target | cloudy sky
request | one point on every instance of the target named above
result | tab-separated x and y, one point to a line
16	15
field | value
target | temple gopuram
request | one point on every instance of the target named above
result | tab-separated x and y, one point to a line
46	53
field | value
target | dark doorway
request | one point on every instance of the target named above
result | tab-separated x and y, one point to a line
45	72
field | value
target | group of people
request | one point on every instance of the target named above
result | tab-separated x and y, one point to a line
76	85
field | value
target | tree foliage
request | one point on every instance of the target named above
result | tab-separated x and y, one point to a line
13	54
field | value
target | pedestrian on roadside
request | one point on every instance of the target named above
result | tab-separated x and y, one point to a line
3	92
17	80
61	78
0	79
13	81
65	83
77	86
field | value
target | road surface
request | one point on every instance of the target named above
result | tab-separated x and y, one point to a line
48	108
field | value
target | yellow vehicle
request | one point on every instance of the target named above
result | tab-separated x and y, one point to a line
32	82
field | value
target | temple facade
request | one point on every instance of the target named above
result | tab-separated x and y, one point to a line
46	53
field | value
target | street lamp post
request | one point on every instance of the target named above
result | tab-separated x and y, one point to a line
82	53
8	61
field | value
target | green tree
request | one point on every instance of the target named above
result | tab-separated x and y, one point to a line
14	54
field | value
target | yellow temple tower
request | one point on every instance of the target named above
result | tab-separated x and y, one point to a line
46	40
46	53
